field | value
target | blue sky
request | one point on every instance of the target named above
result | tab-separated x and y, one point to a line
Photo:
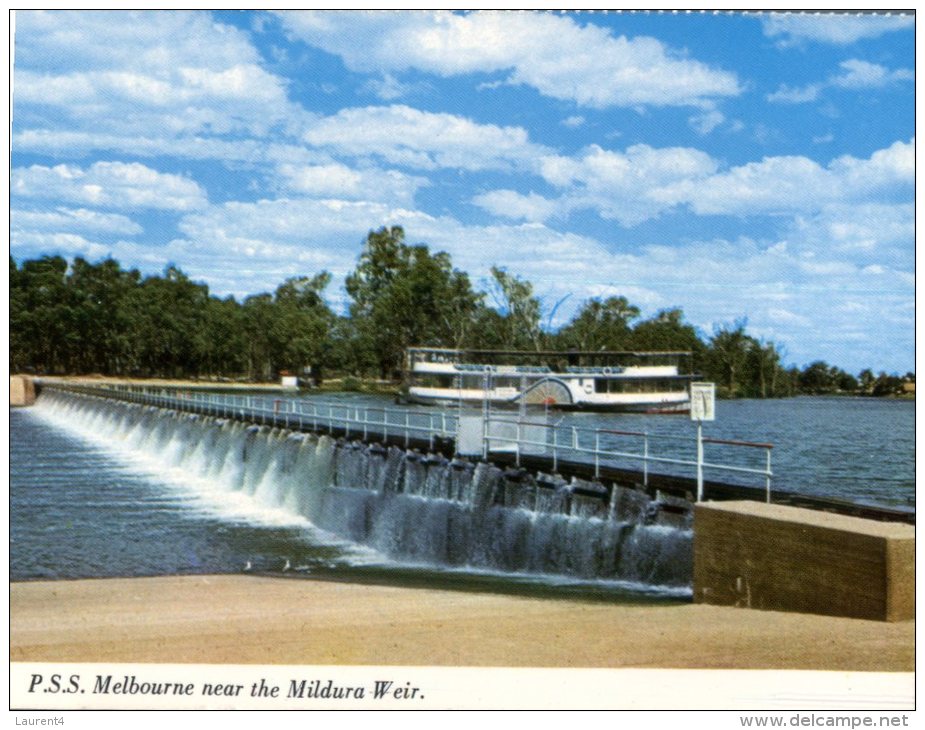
734	165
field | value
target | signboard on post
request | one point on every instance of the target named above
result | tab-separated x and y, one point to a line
703	401
703	408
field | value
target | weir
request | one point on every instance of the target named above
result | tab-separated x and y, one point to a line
412	505
606	458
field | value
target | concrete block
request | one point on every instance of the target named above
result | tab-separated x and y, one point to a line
22	390
781	558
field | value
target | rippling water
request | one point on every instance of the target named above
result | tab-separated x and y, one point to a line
858	449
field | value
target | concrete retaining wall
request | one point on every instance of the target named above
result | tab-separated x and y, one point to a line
783	558
22	390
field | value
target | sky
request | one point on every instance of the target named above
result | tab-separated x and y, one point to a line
755	167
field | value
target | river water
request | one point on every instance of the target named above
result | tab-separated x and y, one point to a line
88	501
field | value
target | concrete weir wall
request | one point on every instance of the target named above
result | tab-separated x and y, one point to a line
22	390
783	558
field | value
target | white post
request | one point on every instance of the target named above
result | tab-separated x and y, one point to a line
518	443
523	397
767	476
555	449
486	413
699	461
597	454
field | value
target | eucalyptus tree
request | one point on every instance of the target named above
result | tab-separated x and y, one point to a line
403	295
764	370
169	315
299	332
729	349
520	312
100	297
42	335
600	325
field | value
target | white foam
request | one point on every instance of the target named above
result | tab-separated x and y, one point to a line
260	476
200	494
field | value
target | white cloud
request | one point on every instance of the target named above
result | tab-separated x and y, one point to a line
270	240
35	243
836	28
553	54
619	185
151	73
795	95
336	180
63	143
573	122
861	232
856	75
886	169
109	185
787	318
515	206
864	75
774	185
793	184
425	140
72	219
243	248
708	121
81	40
642	182
389	88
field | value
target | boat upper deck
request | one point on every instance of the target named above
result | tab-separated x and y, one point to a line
655	363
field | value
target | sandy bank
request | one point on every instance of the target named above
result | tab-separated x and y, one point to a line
259	620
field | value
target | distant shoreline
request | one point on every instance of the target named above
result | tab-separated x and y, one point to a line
351	384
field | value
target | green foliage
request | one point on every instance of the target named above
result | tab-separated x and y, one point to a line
519	321
100	318
887	385
820	378
402	296
667	331
600	326
42	330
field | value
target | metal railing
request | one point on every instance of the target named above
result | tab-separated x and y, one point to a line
600	447
360	421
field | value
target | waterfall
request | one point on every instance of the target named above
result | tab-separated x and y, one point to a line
409	507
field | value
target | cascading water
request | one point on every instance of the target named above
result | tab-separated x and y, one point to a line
411	508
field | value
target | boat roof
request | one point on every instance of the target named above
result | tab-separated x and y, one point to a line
551	353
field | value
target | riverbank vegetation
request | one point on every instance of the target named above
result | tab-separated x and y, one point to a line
83	317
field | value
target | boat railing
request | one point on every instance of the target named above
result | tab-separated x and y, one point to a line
585	370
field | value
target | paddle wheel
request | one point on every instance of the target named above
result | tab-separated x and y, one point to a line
548	392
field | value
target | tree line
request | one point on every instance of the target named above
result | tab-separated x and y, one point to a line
82	318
